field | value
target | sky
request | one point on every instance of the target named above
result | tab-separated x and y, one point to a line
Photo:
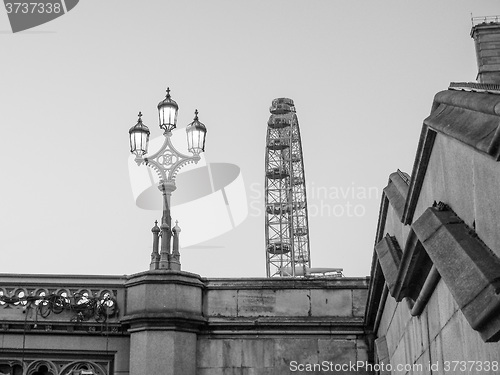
362	75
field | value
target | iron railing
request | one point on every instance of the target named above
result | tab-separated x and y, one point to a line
485	19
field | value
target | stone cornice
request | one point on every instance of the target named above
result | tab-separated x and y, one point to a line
424	150
165	277
40	280
288	283
285	326
178	321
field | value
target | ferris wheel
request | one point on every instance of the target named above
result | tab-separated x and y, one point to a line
287	231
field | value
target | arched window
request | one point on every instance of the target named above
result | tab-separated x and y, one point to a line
83	368
11	368
42	368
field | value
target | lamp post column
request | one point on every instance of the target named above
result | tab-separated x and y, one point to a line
166	187
163	328
167	162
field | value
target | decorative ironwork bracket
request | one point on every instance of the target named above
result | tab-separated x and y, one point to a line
167	161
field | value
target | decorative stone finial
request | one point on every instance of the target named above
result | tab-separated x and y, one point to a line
176	229
155	229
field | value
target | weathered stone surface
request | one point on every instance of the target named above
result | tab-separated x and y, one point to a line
337	350
487	185
452	333
256	302
446	304
164	292
232	353
395	227
162	352
362	350
277	355
257	353
210	353
297	349
381	350
221	302
386	320
210	371
457	165
334	302
359	297
292	302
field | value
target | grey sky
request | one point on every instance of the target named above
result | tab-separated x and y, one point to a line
362	75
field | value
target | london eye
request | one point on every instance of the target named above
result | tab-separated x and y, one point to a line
287	231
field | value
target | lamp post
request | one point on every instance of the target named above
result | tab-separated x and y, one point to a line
167	162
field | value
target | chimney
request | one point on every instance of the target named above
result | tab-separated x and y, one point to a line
486	34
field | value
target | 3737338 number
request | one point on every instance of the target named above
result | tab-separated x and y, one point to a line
33	8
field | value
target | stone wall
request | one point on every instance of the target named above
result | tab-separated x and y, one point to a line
273	326
280	356
438	336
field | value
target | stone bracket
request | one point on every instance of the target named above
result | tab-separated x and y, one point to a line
396	191
413	270
470	270
389	256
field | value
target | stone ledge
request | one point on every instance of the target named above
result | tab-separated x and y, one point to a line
55	281
288	283
165	277
396	191
178	321
69	328
470	117
424	151
288	326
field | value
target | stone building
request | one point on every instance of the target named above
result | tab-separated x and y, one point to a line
432	297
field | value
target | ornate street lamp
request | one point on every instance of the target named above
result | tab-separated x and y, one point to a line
167	162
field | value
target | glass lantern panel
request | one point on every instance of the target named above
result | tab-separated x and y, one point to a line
133	145
168	116
195	140
139	143
144	143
